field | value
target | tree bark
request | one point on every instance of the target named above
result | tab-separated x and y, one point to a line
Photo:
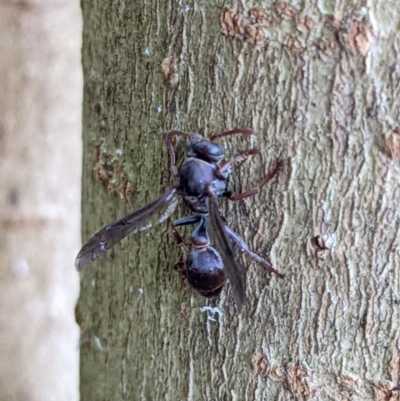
40	149
320	86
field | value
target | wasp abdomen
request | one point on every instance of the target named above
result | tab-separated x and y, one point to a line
205	271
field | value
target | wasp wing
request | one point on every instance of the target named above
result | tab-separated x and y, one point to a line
141	219
234	270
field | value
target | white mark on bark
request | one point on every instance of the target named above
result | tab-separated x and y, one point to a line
214	311
97	343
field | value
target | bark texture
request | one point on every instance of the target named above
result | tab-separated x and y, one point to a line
320	85
40	150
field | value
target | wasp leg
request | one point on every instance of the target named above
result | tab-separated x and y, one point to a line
225	168
255	191
186	221
241	244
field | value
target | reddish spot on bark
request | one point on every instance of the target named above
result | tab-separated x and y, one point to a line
300	382
359	37
285	10
233	22
170	71
348	382
384	391
257	34
393	144
259	15
101	168
251	26
260	365
294	45
305	24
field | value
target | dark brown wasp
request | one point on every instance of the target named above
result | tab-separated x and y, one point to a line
200	180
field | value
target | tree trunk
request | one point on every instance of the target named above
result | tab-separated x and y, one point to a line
40	149
320	87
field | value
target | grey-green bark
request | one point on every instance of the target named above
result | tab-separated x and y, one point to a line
320	86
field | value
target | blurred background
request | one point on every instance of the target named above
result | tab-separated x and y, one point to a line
40	168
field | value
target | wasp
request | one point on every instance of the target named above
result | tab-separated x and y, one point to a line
200	181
